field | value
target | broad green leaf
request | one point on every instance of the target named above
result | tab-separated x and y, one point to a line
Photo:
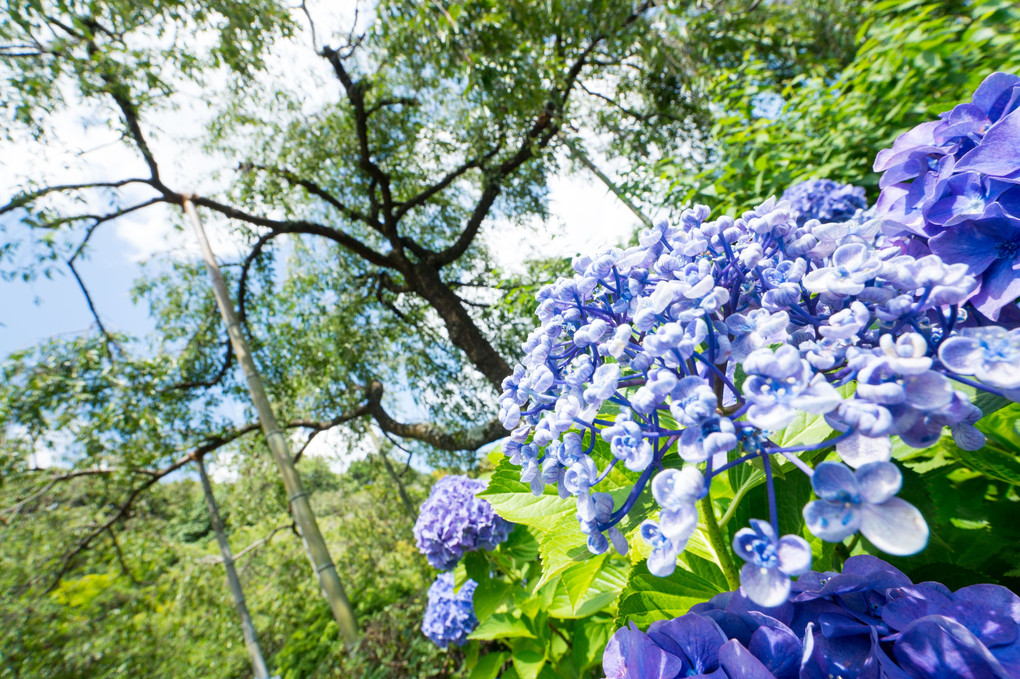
489	595
648	598
603	592
489	665
590	637
578	578
502	626
528	663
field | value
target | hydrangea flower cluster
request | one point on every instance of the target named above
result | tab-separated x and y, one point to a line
449	616
685	353
868	621
452	522
952	187
825	200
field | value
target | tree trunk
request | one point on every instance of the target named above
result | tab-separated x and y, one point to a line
301	509
251	640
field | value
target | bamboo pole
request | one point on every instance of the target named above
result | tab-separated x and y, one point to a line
251	640
301	509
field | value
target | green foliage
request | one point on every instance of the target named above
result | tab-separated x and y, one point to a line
157	604
913	60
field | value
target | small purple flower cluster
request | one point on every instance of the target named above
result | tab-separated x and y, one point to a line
868	621
453	521
709	337
952	187
449	616
825	200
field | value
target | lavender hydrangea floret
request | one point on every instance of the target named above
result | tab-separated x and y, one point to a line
449	615
453	521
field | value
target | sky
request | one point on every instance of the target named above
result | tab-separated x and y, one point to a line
584	218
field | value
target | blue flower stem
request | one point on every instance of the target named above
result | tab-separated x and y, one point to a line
771	490
976	385
798	463
715	537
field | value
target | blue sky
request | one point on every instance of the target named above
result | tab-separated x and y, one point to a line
34	311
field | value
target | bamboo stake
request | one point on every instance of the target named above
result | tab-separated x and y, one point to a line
301	509
251	640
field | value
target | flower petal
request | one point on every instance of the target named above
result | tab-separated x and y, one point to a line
834	481
879	481
764	586
895	527
794	555
832	521
738	663
858	449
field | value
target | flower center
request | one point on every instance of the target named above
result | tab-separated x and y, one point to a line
765	554
1007	249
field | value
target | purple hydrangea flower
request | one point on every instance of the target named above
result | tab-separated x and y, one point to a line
865	500
951	185
824	200
452	521
869	621
449	616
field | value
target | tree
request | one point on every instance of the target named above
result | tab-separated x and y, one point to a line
439	121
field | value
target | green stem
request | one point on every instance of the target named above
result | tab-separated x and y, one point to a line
722	550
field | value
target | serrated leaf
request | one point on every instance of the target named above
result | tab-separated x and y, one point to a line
603	592
648	598
578	578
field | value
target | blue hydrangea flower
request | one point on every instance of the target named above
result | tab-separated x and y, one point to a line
765	578
992	354
452	521
780	384
825	200
865	500
707	336
449	616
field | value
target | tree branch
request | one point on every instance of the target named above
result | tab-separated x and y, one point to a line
299	226
467	439
319	192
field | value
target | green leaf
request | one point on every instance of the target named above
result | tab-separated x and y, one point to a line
603	592
993	461
590	637
648	598
502	626
528	663
489	665
476	566
488	596
578	578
